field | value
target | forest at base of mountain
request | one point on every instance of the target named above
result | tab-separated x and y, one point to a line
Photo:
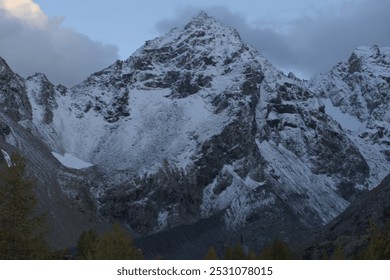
21	233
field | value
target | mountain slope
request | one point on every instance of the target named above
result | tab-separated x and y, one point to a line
351	228
62	194
356	93
226	123
196	125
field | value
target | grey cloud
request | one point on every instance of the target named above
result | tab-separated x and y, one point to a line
308	45
65	56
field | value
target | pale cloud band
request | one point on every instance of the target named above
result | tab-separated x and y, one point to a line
31	42
26	11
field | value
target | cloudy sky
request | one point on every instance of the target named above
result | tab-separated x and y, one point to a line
68	40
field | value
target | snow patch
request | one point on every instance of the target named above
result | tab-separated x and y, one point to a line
292	177
7	158
71	161
238	200
346	121
162	220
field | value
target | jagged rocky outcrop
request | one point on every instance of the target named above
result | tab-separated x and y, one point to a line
350	229
197	126
13	99
357	95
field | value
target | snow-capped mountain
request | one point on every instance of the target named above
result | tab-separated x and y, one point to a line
356	94
196	124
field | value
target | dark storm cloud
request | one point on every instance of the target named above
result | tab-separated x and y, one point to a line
65	56
308	45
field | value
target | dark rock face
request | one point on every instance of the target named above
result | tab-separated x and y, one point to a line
170	192
308	131
13	98
4	129
179	194
350	228
44	96
354	64
345	157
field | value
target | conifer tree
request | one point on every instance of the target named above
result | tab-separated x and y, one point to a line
87	243
338	253
278	250
211	254
114	244
238	252
229	254
252	255
378	247
234	253
19	228
325	255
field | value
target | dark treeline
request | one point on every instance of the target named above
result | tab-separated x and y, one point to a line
22	231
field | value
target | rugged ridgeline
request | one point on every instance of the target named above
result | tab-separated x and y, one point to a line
358	91
356	94
62	194
197	132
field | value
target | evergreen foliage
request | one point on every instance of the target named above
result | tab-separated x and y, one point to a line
278	250
237	252
339	253
228	255
234	253
87	244
378	247
211	254
325	255
252	255
19	228
114	244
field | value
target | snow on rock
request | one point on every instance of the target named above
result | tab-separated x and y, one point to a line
240	198
355	93
293	178
7	158
71	161
346	121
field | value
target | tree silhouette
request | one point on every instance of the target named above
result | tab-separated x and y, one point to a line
19	228
114	244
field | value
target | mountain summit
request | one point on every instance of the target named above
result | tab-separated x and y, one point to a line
197	128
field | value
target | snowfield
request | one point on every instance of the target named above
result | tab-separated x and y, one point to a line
71	161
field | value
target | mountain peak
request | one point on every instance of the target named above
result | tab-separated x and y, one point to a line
371	59
4	68
202	16
206	23
367	51
201	19
203	42
39	77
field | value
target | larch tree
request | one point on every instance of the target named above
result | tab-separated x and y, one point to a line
19	227
114	244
